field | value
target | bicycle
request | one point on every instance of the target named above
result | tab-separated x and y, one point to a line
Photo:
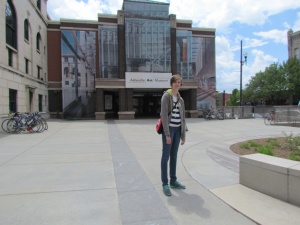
211	113
270	118
31	122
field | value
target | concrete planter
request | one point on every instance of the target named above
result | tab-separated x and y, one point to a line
273	176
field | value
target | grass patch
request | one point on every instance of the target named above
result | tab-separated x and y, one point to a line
273	142
250	144
267	150
287	147
295	155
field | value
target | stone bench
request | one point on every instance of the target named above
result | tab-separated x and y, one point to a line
273	176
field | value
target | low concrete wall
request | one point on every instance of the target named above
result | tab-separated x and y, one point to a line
273	176
126	115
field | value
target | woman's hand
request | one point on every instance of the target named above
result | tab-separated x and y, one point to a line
168	139
182	141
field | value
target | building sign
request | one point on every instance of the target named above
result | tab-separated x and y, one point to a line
147	80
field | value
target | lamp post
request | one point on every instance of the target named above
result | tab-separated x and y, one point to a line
241	70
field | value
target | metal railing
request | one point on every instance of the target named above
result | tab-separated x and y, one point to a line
284	114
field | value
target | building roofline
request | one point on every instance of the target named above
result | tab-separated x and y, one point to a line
147	1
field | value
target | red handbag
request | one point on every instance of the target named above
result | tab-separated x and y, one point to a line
159	126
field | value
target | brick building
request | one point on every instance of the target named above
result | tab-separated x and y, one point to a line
119	66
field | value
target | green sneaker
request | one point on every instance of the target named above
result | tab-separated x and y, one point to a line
166	190
177	185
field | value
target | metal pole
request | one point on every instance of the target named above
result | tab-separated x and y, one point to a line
241	73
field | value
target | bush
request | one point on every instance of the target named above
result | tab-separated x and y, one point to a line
274	142
295	155
250	144
265	150
291	142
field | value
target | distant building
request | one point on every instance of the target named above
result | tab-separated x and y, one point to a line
115	67
120	65
23	56
293	43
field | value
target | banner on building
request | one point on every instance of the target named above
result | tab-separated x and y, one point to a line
147	80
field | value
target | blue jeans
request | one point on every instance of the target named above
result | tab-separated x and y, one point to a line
170	152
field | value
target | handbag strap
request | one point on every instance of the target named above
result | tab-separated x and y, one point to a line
173	107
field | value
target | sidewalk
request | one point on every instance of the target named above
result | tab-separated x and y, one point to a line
108	172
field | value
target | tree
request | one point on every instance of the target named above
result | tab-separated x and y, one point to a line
234	99
276	83
292	75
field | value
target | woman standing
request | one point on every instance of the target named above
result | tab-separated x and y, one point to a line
173	120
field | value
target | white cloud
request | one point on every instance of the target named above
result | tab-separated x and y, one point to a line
79	9
222	13
296	26
278	36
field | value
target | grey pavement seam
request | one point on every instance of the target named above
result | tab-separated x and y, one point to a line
139	201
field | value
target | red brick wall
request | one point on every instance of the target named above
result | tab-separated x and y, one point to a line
54	56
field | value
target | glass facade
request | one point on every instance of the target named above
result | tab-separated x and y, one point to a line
147	35
184	57
146	10
108	51
196	60
78	73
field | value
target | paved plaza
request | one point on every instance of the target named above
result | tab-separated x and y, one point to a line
108	173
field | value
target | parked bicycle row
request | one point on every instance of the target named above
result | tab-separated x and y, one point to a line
213	113
24	122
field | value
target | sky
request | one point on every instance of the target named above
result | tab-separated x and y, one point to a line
261	25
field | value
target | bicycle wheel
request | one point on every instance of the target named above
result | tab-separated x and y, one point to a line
267	120
44	122
35	126
274	121
13	127
220	116
4	125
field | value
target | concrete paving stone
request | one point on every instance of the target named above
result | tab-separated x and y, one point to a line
13	150
136	181
73	140
126	167
261	208
152	169
209	173
68	148
59	158
55	177
142	205
119	161
92	207
5	158
196	205
153	222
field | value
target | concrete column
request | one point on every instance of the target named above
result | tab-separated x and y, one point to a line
121	45
173	43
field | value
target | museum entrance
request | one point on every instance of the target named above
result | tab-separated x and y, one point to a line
146	104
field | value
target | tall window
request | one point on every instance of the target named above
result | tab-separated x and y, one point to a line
39	72
12	100
38	4
11	25
38	41
108	48
26	66
10	57
40	103
26	30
